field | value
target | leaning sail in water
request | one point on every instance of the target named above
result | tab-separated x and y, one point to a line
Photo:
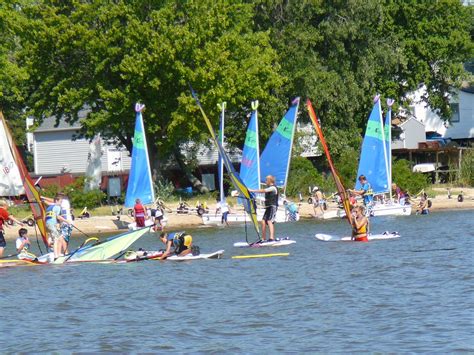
275	158
248	201
337	180
105	249
373	163
32	194
140	184
250	165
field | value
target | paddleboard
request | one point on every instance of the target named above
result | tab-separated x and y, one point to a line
216	255
335	238
277	243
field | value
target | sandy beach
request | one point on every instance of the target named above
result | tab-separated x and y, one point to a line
110	224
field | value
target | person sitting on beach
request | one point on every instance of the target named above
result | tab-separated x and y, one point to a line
400	195
271	207
360	225
139	213
4	217
223	208
181	242
22	242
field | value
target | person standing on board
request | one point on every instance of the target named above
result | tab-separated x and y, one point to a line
360	225
4	217
53	215
271	206
66	228
365	191
139	213
180	241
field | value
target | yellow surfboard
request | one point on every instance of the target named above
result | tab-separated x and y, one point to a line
259	255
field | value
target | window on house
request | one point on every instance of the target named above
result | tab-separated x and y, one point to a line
455	111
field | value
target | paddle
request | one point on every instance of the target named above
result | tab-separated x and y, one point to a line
88	236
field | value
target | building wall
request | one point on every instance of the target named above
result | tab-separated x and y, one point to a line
413	132
55	153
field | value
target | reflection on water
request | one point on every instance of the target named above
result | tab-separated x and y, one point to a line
412	294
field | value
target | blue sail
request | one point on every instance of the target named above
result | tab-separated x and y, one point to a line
275	158
249	167
140	184
372	161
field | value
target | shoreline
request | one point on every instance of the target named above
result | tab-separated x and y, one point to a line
111	224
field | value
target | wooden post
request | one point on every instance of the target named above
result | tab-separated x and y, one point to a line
436	169
459	164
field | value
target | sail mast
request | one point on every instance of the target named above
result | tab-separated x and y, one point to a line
255	107
388	136
384	145
220	168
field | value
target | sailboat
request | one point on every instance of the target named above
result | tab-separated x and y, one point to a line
140	183
276	157
375	163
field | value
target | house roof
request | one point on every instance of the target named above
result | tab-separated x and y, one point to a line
52	124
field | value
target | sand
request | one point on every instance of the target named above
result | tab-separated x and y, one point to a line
111	224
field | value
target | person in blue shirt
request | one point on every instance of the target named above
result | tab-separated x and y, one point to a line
365	191
53	217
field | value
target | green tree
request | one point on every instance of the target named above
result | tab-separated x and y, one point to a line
408	181
108	55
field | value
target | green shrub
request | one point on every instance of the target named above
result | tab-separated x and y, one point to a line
467	168
407	180
302	175
346	166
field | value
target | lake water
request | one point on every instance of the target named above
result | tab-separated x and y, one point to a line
412	294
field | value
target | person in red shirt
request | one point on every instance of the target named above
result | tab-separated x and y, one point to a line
140	213
4	217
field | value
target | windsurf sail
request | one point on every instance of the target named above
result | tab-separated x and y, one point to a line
34	198
340	187
373	163
220	163
276	157
11	183
248	201
94	165
140	184
104	249
388	143
250	165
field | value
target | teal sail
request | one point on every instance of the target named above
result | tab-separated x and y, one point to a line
250	165
373	162
140	184
275	158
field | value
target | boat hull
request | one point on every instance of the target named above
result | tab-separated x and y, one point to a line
241	218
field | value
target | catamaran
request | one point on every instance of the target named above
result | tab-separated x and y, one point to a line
140	183
375	163
275	160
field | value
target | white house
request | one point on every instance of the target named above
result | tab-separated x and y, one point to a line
412	133
461	126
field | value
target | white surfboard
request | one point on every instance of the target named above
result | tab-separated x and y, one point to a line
335	238
276	243
216	255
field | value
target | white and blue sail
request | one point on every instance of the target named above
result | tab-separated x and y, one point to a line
388	142
140	184
250	165
276	157
373	158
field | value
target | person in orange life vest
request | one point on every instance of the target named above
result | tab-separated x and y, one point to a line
360	225
4	217
139	213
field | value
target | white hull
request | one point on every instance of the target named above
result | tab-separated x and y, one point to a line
240	218
379	209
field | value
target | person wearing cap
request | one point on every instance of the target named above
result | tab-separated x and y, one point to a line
4	217
365	191
271	207
318	201
180	241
